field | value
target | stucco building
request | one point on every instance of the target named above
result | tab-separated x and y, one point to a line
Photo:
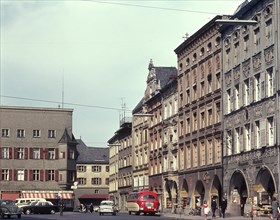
92	174
37	153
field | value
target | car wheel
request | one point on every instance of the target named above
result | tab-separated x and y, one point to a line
28	212
52	211
114	213
129	212
2	215
99	213
9	216
19	216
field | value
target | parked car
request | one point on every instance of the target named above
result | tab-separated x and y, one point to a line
20	202
9	208
40	208
107	206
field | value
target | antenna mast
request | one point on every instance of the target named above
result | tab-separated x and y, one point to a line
62	104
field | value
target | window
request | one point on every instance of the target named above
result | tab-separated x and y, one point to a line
36	133
202	119
218	112
81	168
228	142
246	45
194	121
269	79
247	137
96	168
246	94
257	134
82	181
36	175
202	88
237	141
218	81
257	86
219	150
20	133
71	154
51	153
5	153
210	152
51	175
36	153
189	157
188	96
51	134
20	153
228	101
270	131
188	126
203	154
195	156
236	53
96	191
257	40
96	181
210	117
227	60
107	181
268	31
20	175
194	92
107	168
5	174
5	132
236	97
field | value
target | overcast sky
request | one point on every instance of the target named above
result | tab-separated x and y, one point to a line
92	53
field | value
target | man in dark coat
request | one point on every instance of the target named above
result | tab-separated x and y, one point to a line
213	207
223	206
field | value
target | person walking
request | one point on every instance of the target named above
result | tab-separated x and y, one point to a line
91	208
274	206
213	207
223	207
205	209
61	206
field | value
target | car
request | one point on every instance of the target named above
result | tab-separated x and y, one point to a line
107	207
96	208
20	202
9	208
40	208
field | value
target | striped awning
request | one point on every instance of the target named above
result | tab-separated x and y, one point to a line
47	195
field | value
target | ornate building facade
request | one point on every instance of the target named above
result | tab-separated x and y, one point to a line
251	106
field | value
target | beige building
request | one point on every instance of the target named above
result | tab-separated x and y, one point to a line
92	174
199	123
37	152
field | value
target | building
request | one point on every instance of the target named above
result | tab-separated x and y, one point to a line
158	78
92	174
251	106
37	153
199	116
122	140
140	147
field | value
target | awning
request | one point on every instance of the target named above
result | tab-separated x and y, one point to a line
10	195
47	195
94	196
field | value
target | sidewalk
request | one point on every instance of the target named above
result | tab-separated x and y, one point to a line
188	217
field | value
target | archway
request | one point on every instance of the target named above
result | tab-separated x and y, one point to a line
199	194
184	193
216	190
238	192
266	186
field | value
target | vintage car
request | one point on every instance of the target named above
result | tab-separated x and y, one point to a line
9	208
107	206
40	208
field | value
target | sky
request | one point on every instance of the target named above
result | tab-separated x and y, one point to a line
92	56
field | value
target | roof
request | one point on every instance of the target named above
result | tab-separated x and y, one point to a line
92	155
165	75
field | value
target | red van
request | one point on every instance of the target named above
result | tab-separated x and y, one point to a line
145	202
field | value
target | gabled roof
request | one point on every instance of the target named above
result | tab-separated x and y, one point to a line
66	138
92	155
165	75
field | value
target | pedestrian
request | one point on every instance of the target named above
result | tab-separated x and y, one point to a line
213	207
274	206
61	206
223	207
205	209
91	208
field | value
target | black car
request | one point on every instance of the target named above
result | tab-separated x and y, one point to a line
9	208
40	208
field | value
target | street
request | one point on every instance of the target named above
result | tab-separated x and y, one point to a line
86	216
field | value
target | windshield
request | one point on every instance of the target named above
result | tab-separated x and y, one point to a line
7	202
107	203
